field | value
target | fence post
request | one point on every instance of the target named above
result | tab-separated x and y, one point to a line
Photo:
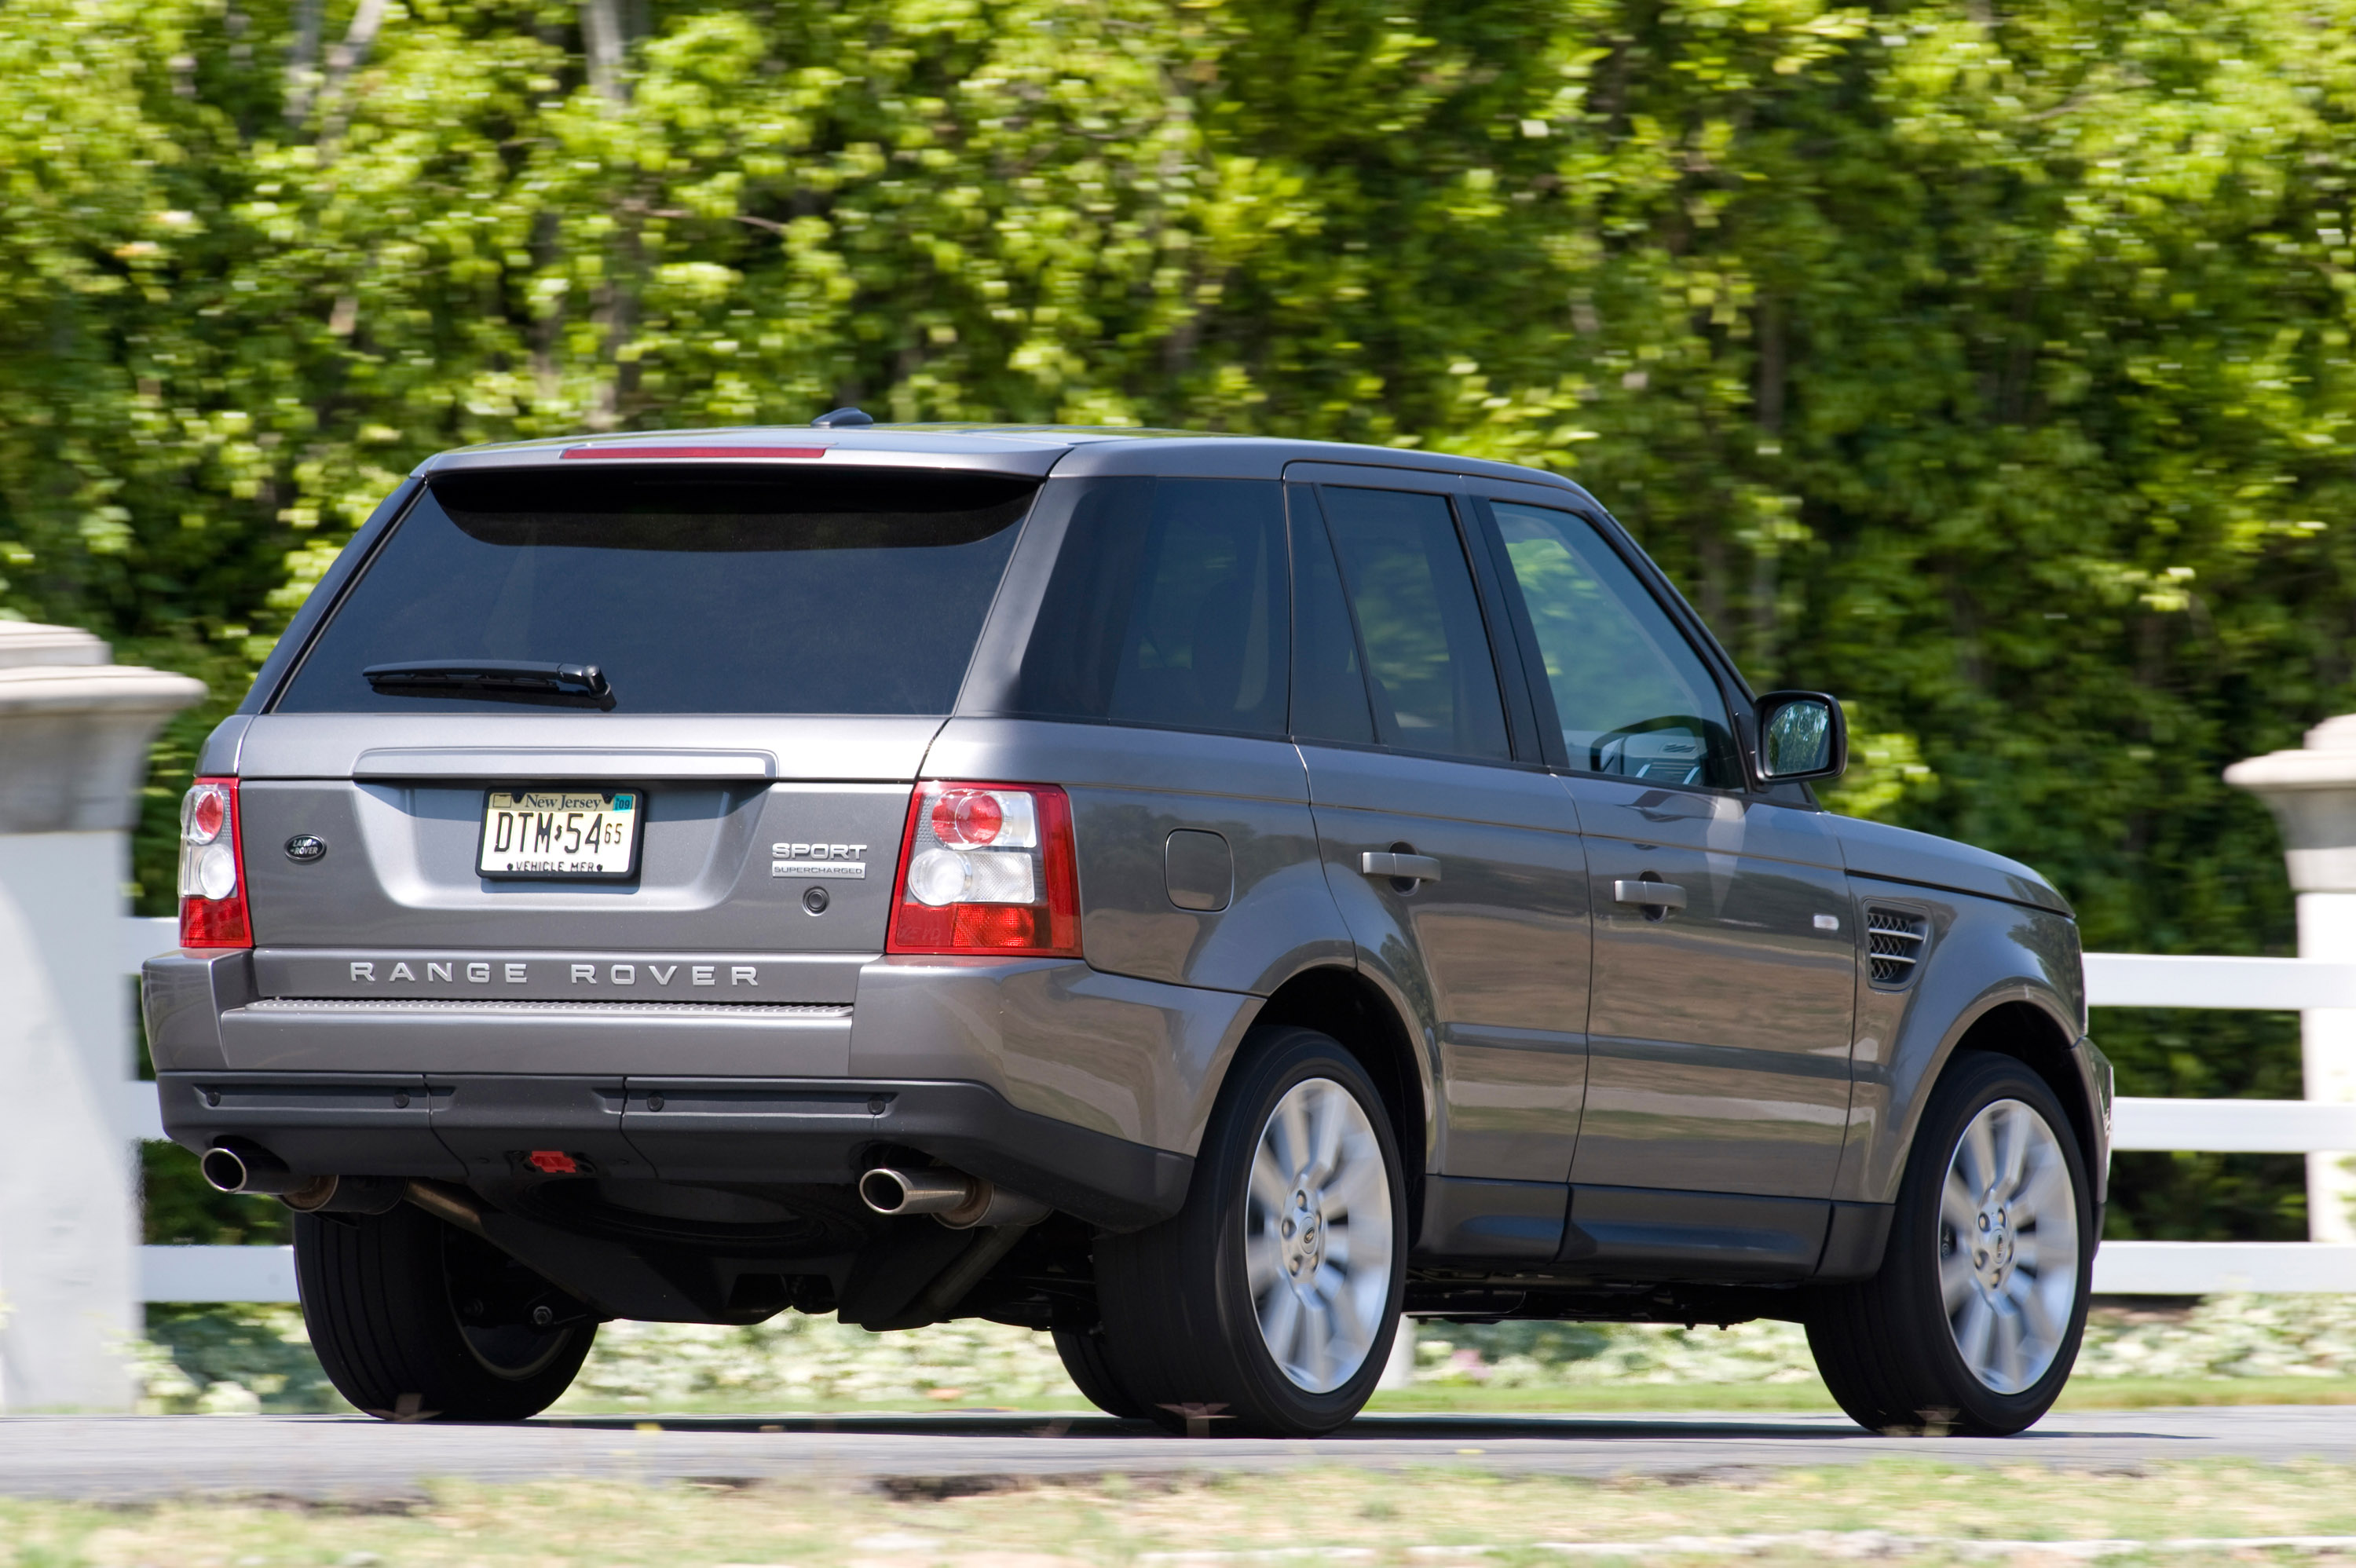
2312	792
73	753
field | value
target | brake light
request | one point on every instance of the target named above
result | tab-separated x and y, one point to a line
212	868
988	867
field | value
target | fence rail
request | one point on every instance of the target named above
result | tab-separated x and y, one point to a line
2121	1268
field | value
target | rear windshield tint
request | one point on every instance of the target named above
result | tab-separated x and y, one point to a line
705	592
1167	608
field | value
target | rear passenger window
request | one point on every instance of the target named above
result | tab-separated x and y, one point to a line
1329	691
1434	685
1167	607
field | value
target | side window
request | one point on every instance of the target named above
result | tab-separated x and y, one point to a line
1434	686
1630	692
1166	607
1328	689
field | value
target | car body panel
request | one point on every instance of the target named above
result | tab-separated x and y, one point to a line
1901	855
1132	1059
1131	789
1492	957
1984	954
1720	1031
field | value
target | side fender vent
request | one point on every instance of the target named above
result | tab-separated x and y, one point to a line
1895	942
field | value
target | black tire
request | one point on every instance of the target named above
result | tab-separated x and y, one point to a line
1088	1361
1885	1345
383	1296
1180	1319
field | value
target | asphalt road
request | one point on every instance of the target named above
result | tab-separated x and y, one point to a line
359	1462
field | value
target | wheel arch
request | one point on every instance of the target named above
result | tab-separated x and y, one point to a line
1347	1005
2030	1034
2023	1022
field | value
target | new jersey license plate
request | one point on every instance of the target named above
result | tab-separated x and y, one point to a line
560	833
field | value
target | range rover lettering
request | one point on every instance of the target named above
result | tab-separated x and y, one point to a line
1202	898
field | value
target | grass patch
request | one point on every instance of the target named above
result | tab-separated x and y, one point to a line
1115	1521
2150	1393
1447	1399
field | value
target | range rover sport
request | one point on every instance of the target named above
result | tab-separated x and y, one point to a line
1198	897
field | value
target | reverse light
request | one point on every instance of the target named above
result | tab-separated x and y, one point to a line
212	868
988	868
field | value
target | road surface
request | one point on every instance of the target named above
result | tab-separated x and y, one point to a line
360	1462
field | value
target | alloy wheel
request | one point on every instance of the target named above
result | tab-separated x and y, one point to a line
1318	1235
2009	1246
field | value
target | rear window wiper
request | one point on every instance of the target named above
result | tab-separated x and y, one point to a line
500	680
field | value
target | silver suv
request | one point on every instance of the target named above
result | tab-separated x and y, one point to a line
1198	897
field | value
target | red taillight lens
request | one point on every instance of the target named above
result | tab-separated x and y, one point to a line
988	867
212	868
967	816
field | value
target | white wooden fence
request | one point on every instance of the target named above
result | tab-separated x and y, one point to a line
2121	1268
2224	1127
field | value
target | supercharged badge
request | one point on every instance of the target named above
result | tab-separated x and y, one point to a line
830	862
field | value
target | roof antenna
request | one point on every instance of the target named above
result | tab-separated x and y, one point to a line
843	419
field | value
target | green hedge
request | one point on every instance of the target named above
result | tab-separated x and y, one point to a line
1988	366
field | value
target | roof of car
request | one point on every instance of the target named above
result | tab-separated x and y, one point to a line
1034	450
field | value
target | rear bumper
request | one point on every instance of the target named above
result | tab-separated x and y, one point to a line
1086	1090
477	1129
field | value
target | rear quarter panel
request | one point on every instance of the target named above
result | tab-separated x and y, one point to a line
1131	789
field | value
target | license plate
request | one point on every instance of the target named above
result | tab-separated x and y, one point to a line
560	833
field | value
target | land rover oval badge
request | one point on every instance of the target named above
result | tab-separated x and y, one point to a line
305	846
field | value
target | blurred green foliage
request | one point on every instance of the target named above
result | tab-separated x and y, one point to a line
1990	367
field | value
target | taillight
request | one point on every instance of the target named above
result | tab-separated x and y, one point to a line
212	868
988	867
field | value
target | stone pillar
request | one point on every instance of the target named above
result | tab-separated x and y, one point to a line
2312	791
74	731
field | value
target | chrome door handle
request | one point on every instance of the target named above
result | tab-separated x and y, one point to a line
1406	868
1652	895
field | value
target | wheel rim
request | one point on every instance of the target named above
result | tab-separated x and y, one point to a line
2009	1246
514	1351
1318	1235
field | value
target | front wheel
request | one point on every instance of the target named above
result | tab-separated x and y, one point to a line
1268	1304
415	1320
1974	1321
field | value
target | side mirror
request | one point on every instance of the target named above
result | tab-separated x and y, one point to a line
1802	735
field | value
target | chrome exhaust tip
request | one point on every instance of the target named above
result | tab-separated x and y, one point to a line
889	1191
955	1200
230	1170
253	1172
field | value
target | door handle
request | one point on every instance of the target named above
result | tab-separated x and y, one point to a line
1652	895
1406	868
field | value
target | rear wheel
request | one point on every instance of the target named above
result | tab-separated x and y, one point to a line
416	1320
1974	1321
1267	1304
1088	1361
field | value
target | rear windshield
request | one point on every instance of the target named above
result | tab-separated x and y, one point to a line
723	592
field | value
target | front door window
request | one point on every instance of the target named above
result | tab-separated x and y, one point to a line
1631	697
